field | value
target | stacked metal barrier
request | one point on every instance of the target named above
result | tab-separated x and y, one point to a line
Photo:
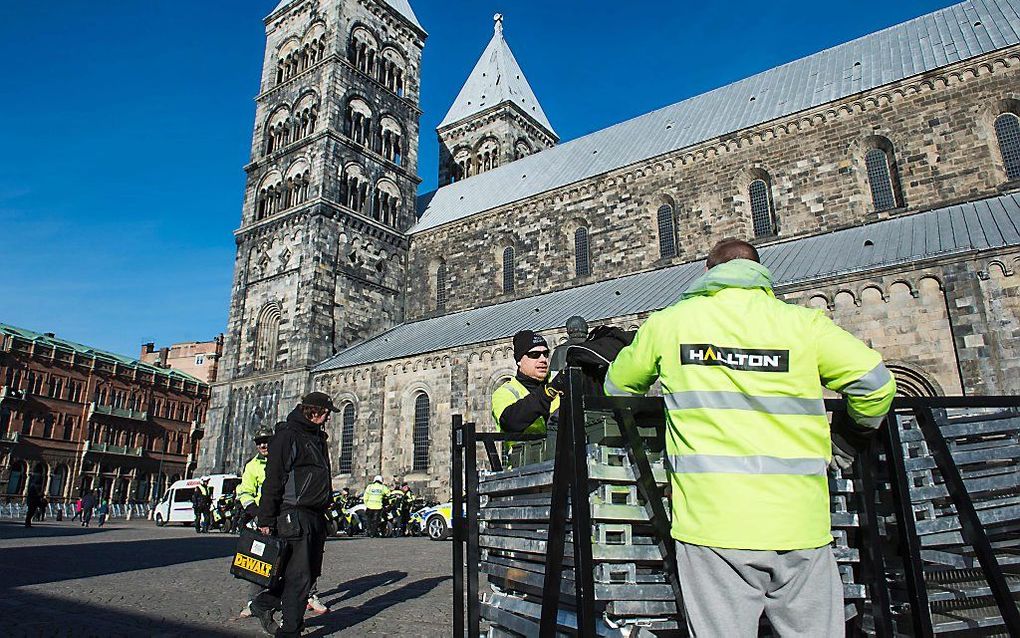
629	581
926	526
631	588
986	450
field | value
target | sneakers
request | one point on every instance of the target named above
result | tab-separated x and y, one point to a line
316	606
246	612
269	624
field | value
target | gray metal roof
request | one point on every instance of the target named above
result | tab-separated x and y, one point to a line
931	41
988	223
496	78
403	7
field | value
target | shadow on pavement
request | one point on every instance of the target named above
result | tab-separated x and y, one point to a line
358	586
31	565
34	614
10	530
339	619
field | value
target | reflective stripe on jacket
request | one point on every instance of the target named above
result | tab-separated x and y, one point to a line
748	438
511	392
254	475
374	495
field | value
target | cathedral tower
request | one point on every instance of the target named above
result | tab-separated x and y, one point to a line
495	119
330	191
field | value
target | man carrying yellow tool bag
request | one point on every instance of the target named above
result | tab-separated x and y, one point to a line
748	444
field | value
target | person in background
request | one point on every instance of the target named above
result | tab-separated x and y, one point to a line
33	500
88	503
103	511
374	497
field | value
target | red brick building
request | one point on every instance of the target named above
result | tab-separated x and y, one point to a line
73	417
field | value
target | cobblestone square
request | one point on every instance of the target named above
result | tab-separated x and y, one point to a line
134	579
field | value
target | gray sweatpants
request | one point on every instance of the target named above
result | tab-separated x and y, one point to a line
725	591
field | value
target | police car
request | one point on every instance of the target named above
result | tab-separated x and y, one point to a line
437	520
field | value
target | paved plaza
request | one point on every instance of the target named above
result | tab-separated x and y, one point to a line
134	579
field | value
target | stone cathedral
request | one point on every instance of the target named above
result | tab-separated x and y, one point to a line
879	179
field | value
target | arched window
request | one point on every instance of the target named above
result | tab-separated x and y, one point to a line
883	195
347	439
1007	131
267	338
441	287
16	478
667	234
57	480
421	432
508	269
763	215
582	252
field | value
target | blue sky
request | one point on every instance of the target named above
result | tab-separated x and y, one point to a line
127	124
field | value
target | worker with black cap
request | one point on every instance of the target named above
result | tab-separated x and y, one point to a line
295	496
526	402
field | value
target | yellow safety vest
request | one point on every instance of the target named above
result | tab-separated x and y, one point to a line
374	494
748	439
254	475
511	392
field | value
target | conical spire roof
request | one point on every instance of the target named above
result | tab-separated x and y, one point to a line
496	78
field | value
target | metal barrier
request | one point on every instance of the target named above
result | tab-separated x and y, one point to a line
18	511
893	557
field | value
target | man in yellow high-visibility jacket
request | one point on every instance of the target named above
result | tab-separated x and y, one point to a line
374	495
526	402
748	444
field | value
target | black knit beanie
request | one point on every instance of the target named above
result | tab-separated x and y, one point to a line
526	340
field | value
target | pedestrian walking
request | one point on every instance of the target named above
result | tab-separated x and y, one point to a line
34	501
748	444
77	510
88	503
103	511
295	496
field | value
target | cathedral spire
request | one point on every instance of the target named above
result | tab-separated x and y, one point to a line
496	79
495	119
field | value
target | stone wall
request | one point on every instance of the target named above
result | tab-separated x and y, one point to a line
946	327
940	127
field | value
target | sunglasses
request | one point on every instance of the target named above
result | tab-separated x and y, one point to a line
266	442
537	354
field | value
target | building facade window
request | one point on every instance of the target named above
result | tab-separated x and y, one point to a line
582	253
441	287
667	231
880	179
508	269
763	214
347	440
267	337
422	413
1007	132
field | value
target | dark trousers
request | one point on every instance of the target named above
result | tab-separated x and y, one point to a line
374	516
303	565
201	520
31	514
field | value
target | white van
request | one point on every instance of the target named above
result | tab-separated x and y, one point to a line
175	506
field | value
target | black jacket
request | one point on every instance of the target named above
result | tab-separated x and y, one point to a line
297	470
522	413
